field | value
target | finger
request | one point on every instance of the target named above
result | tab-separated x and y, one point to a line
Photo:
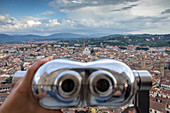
32	70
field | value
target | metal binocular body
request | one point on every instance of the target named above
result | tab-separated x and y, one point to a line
64	83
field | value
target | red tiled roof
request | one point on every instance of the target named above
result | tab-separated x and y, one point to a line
5	85
2	78
157	105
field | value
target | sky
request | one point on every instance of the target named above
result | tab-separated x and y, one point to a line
86	17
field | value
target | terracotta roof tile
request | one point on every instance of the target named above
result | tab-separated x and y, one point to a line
160	106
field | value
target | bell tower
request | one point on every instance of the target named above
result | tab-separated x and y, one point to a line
162	62
143	62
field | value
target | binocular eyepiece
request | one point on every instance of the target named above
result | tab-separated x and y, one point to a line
102	83
106	82
68	84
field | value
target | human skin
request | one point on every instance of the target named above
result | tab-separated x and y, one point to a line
21	98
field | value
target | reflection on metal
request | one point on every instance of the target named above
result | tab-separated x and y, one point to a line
64	83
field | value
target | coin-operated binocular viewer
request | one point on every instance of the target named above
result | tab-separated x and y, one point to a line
66	83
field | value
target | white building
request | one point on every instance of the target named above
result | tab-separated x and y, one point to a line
86	51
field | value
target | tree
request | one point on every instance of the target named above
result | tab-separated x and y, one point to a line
8	80
123	48
142	48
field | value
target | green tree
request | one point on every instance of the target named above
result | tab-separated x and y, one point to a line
8	80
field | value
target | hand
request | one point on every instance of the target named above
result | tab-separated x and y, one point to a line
21	99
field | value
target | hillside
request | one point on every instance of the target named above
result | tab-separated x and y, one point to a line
114	40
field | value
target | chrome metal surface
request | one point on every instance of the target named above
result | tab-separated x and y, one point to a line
68	75
64	83
49	77
109	83
144	79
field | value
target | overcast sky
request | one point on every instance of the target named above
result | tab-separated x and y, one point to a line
45	17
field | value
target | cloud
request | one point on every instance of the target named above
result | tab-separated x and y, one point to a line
125	8
166	11
150	8
114	16
11	24
30	24
6	19
76	4
48	13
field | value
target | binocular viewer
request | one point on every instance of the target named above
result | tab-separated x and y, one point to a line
64	83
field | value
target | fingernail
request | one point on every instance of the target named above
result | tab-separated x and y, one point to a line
50	58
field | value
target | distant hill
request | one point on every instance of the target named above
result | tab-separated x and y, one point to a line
66	35
138	39
22	38
114	40
4	38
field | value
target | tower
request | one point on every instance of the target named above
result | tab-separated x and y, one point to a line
101	44
84	44
22	63
162	62
143	62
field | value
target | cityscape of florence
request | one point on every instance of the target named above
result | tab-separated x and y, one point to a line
135	32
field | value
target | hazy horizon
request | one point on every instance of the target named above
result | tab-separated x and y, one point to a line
99	35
